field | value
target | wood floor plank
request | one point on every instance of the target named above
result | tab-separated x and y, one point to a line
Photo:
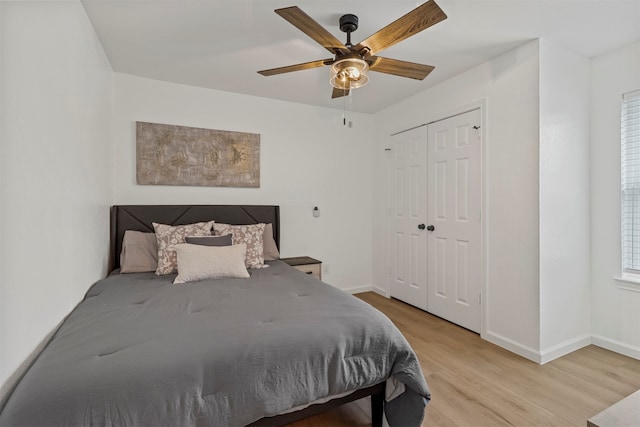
466	402
435	417
475	383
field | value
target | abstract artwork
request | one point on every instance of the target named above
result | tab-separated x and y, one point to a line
180	155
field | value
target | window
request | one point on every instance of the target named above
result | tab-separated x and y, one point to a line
630	131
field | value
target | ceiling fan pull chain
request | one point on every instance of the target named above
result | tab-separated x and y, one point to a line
344	110
347	104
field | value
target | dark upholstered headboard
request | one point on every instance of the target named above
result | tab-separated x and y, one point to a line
141	217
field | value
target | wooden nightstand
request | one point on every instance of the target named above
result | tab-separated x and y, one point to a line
306	264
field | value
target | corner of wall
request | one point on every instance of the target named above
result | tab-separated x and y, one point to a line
564	194
54	170
614	310
2	157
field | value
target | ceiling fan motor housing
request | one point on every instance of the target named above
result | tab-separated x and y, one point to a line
348	23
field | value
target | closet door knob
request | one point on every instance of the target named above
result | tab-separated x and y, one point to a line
421	227
431	228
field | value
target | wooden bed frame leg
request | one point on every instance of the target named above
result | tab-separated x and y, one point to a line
377	409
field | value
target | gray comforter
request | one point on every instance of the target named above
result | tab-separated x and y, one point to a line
139	351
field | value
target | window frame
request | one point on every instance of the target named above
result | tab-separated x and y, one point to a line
630	191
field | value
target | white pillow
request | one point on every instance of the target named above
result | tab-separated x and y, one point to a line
197	262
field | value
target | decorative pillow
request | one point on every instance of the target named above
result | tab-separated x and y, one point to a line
269	244
168	236
225	240
197	262
139	252
250	235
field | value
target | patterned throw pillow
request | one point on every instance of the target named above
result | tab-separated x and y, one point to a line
250	235
168	235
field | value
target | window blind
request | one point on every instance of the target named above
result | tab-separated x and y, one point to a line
630	132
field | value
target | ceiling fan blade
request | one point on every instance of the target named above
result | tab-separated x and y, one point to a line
410	24
337	93
399	68
297	67
307	25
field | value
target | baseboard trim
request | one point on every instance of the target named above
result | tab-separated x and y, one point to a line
616	346
380	291
564	348
512	346
358	290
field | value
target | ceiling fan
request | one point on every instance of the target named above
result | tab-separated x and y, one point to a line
350	63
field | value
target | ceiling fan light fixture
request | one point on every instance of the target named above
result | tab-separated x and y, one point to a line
349	73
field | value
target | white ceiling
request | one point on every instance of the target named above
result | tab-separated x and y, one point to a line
220	44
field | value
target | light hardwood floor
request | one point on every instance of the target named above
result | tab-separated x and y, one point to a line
475	383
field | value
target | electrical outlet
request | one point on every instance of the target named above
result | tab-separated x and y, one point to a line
325	268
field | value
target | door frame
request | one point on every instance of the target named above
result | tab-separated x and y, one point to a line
481	104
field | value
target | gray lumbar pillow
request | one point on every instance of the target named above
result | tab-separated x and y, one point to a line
225	240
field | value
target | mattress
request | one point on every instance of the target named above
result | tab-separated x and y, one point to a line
141	351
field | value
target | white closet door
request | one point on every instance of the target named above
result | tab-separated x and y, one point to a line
454	217
408	211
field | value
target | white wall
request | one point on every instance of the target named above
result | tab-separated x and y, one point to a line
615	311
2	138
56	170
509	86
308	158
565	302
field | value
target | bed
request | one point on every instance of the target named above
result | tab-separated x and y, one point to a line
265	350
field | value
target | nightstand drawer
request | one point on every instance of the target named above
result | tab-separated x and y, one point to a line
308	265
311	269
